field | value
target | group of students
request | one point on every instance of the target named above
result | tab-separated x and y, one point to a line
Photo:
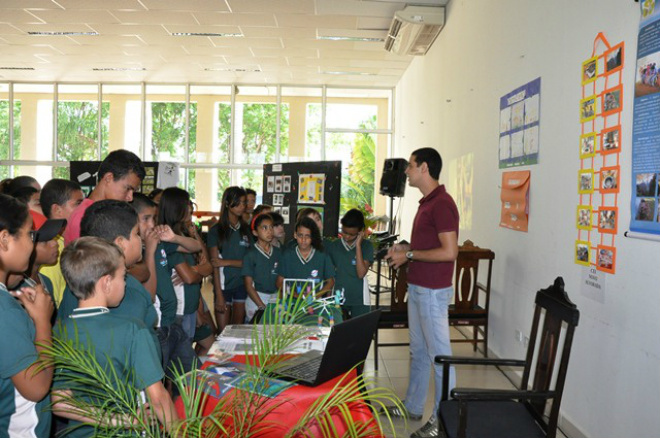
119	274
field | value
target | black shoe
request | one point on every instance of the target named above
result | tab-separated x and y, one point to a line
399	412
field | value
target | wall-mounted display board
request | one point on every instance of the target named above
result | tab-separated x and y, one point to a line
290	187
599	147
85	174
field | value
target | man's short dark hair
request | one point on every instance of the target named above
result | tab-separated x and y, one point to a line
353	219
56	191
278	219
85	261
109	219
142	201
120	163
250	192
432	159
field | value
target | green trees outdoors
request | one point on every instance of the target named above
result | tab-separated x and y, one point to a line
4	134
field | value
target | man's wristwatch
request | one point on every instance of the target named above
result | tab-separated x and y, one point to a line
409	255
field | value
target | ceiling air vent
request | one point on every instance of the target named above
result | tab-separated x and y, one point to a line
414	29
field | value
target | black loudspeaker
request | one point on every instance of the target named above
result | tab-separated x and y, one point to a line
393	181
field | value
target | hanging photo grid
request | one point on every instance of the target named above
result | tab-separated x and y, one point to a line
599	149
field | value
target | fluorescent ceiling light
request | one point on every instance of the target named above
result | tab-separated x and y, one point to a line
354	39
16	68
238	70
208	34
63	33
356	73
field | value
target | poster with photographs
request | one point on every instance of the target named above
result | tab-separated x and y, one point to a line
270	184
311	188
520	118
286	184
645	166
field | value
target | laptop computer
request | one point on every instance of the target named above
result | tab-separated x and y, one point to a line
347	346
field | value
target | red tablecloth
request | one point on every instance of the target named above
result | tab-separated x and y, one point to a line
285	410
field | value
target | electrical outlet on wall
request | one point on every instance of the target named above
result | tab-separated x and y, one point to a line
519	335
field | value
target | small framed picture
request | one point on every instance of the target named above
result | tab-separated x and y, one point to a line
589	70
610	140
588	145
609	179
607	219
611	100
645	184
584	217
614	59
606	258
587	109
586	181
582	252
645	209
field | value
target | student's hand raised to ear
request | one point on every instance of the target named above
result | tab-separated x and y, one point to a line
151	240
165	233
38	304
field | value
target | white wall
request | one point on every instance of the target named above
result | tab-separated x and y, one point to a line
449	100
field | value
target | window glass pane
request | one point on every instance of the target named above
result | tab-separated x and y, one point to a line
357	152
4	127
126	113
256	125
251	179
77	123
166	123
348	108
43	174
201	183
212	133
297	126
35	121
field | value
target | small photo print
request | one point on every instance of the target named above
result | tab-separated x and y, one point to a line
588	145
607	220
285	214
584	217
278	184
532	104
609	179
614	59
587	109
505	147
505	120
278	199
150	171
647	79
605	258
517	115
586	181
644	209
582	250
589	70
270	184
610	140
611	102
645	184
286	184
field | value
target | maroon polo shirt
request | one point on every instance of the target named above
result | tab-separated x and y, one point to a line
437	214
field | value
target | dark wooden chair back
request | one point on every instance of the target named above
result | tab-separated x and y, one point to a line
553	311
399	296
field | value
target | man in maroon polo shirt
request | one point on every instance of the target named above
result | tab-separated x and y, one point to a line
430	255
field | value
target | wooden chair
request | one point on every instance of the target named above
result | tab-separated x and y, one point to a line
471	298
394	315
533	410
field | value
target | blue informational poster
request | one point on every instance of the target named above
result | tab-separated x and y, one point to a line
646	125
520	112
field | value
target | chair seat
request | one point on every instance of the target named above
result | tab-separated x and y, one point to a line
393	319
476	312
491	419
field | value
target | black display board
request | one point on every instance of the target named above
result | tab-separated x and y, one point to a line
290	187
85	174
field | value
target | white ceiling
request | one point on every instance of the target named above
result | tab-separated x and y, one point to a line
279	41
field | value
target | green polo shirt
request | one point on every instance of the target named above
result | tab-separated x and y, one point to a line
122	346
344	259
164	287
317	268
136	304
262	268
191	292
18	353
233	248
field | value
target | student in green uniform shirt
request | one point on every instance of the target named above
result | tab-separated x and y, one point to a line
315	215
25	325
174	210
352	255
260	266
117	222
95	270
175	344
228	242
307	261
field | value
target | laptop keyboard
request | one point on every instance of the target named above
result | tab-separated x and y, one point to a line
306	370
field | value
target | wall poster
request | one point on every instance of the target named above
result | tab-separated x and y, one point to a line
645	217
599	147
520	112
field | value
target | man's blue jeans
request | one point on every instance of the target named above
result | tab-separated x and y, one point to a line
429	337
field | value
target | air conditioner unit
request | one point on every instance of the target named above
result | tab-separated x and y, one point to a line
414	29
